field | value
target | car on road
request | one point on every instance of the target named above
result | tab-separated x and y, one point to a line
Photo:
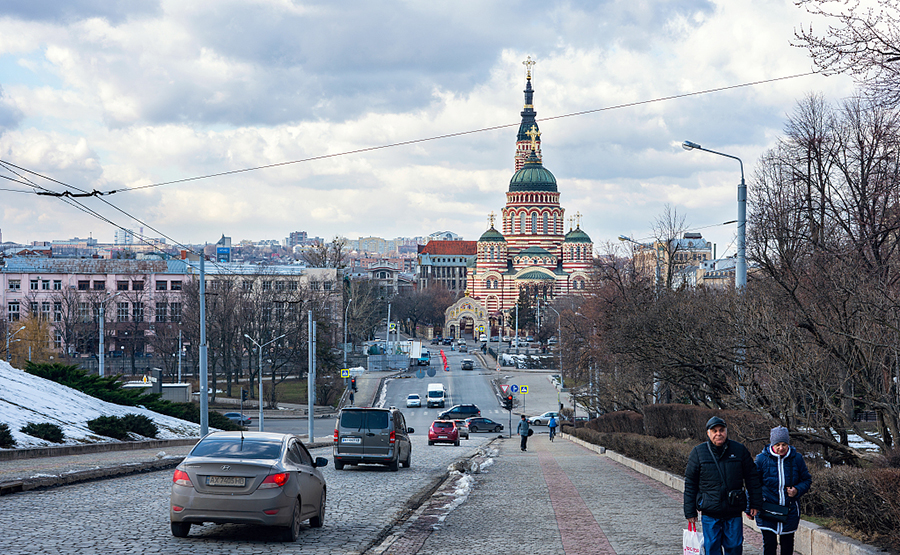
462	428
482	338
413	400
447	341
479	424
443	431
238	418
529	338
371	435
259	478
436	341
463	348
467	364
543	418
506	339
460	411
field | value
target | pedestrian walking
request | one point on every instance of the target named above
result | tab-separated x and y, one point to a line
785	479
524	431
351	398
719	477
552	427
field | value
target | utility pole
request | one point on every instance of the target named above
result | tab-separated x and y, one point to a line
204	387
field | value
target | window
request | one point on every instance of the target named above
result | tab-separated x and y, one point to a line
162	310
84	312
162	285
176	286
175	312
534	224
99	285
122	286
33	310
280	308
45	310
34	285
137	312
57	311
326	286
247	285
84	285
137	285
15	284
45	284
12	311
292	286
57	285
544	229
57	340
122	312
279	286
267	286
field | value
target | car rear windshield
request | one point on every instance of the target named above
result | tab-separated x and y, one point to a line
443	425
364	419
237	449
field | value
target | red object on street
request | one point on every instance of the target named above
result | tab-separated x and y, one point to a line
444	358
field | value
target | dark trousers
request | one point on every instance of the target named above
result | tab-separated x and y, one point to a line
770	543
524	442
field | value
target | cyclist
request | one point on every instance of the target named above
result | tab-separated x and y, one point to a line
552	427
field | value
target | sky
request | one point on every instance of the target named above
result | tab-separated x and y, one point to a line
124	95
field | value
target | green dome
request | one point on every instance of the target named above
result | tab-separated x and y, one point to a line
532	177
492	235
577	236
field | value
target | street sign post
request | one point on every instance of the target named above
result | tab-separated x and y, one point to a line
504	388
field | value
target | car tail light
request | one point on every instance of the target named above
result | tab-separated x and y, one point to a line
335	435
271	511
393	437
177	509
181	478
274	480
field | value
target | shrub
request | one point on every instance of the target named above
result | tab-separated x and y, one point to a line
110	426
45	430
623	421
666	453
6	439
140	424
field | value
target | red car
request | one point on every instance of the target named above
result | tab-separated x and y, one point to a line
443	431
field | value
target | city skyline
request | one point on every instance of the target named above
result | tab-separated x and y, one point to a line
90	98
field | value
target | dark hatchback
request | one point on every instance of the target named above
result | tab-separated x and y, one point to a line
460	412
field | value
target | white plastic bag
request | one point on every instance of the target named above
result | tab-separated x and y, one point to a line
693	541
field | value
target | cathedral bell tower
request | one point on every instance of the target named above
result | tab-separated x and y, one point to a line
528	128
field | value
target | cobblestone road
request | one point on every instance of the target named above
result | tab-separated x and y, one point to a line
130	514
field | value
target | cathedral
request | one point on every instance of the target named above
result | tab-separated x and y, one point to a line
531	251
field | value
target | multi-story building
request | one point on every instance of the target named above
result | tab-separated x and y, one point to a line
445	263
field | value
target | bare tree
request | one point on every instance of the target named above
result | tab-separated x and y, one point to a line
667	231
327	255
861	41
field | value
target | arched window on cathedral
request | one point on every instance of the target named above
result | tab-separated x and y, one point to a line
492	253
522	223
544	229
534	224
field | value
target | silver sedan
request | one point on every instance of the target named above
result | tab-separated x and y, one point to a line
258	478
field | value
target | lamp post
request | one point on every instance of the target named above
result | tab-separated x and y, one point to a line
345	330
740	266
260	348
10	336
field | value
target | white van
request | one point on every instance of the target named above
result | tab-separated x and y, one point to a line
437	395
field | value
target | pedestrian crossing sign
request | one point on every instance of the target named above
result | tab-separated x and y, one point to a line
523	389
345	372
393	327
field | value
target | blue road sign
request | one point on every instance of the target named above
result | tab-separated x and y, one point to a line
420	373
514	388
345	372
523	389
431	371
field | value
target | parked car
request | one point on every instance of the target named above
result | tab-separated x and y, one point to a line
529	338
552	341
436	341
443	431
506	339
369	435
238	418
482	338
460	411
258	478
462	428
479	424
543	418
463	348
413	400
467	364
461	341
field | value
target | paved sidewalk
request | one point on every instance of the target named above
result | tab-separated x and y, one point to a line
559	498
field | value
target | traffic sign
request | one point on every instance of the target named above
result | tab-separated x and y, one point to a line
504	388
420	373
514	388
345	372
431	371
523	389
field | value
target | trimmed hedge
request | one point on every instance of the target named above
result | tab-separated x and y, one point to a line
6	439
44	430
623	422
119	427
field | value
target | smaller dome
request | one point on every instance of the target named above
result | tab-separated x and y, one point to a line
577	236
492	235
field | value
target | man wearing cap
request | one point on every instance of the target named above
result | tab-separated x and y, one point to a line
719	477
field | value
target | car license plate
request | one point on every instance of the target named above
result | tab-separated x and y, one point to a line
442	437
234	481
351	440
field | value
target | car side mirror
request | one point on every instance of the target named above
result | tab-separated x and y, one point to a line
320	462
409	430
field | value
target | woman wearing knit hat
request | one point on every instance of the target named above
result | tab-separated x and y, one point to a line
784	479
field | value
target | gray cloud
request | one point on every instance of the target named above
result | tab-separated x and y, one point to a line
63	11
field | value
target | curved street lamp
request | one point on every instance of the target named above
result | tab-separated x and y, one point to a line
260	348
740	266
10	336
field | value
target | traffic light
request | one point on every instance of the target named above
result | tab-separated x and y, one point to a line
508	402
353	384
243	395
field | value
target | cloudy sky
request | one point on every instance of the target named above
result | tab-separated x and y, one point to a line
109	95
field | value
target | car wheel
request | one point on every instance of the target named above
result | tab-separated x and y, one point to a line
338	465
181	529
406	463
394	465
456	443
536	423
473	429
430	443
318	520
292	532
496	430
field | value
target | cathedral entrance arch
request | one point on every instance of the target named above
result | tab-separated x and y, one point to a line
466	316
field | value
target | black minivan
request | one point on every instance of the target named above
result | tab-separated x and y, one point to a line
368	435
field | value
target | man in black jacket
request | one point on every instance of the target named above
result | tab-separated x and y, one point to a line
717	475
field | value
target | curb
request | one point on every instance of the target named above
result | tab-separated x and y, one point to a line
809	539
85	448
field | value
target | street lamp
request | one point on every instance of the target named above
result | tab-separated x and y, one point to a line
740	266
345	330
10	336
559	344
260	348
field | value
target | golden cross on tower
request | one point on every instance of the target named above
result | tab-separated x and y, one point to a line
528	63
534	134
491	216
578	220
